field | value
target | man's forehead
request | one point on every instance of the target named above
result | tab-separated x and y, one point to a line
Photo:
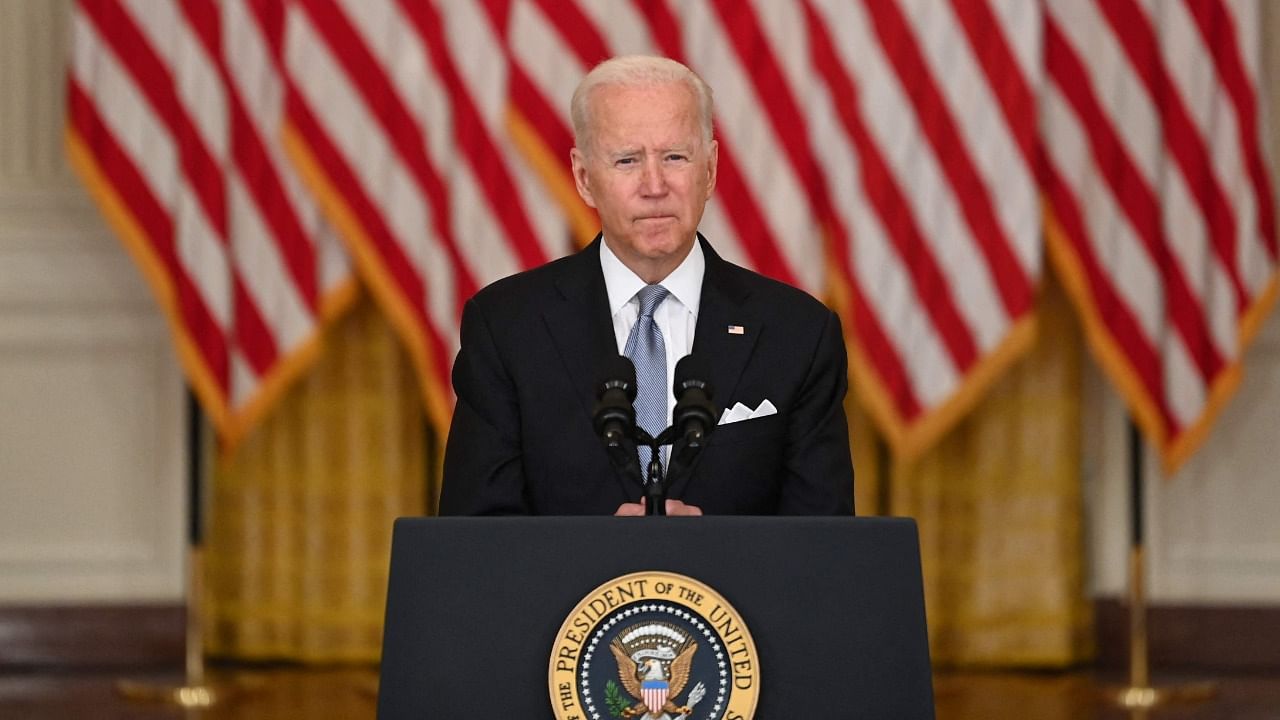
628	121
636	148
613	146
623	102
674	86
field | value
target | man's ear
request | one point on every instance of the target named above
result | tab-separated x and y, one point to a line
713	157
578	162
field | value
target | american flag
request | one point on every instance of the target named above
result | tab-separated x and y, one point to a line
1160	203
173	114
848	166
893	156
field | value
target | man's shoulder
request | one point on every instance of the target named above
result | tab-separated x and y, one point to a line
773	297
526	288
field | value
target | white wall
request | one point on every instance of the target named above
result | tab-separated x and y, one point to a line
1213	529
91	400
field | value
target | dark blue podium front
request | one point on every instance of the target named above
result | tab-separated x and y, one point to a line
835	607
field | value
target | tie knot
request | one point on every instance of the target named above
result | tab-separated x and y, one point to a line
650	297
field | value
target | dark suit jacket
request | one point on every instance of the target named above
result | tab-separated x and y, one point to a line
534	345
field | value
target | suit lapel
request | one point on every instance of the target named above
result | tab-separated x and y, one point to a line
723	304
579	322
582	330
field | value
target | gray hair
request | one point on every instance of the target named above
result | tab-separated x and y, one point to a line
636	71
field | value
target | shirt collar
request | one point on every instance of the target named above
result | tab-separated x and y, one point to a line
684	283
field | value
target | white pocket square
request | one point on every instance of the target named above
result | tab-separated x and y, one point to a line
741	412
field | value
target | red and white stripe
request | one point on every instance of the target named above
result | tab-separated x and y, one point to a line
895	195
655	697
862	146
891	155
932	121
1158	184
173	114
400	112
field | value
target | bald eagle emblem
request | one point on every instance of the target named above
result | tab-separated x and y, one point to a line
677	650
654	660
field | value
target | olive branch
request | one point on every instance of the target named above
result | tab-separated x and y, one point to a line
615	700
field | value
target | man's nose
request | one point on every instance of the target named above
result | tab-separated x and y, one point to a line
653	181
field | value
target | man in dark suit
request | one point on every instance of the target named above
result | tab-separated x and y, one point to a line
534	344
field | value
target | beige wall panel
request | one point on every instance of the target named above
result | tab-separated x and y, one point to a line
92	496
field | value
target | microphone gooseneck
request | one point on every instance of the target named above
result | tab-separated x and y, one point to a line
614	420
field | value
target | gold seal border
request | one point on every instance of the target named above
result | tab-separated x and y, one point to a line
681	590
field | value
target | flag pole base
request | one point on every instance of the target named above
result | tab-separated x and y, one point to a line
1135	697
190	694
193	691
185	696
1140	695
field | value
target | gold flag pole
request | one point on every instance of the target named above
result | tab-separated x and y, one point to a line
1140	695
193	692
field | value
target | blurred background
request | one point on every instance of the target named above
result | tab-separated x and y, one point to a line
236	237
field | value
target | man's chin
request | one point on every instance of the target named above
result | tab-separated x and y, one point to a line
663	246
661	236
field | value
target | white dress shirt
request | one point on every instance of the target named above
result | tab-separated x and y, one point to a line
676	316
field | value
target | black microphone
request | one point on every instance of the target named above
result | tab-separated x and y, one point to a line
614	417
695	415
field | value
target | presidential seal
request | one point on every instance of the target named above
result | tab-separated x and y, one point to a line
654	646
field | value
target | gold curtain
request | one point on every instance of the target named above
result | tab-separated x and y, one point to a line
299	531
1000	509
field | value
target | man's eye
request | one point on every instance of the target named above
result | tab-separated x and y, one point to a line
626	161
677	156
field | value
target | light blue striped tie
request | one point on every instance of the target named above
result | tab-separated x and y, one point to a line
648	352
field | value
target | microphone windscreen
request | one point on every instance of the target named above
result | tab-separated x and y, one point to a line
692	370
619	371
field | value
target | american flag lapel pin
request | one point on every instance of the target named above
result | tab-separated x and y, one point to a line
736	330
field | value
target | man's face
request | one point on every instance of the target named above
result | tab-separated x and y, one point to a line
647	172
